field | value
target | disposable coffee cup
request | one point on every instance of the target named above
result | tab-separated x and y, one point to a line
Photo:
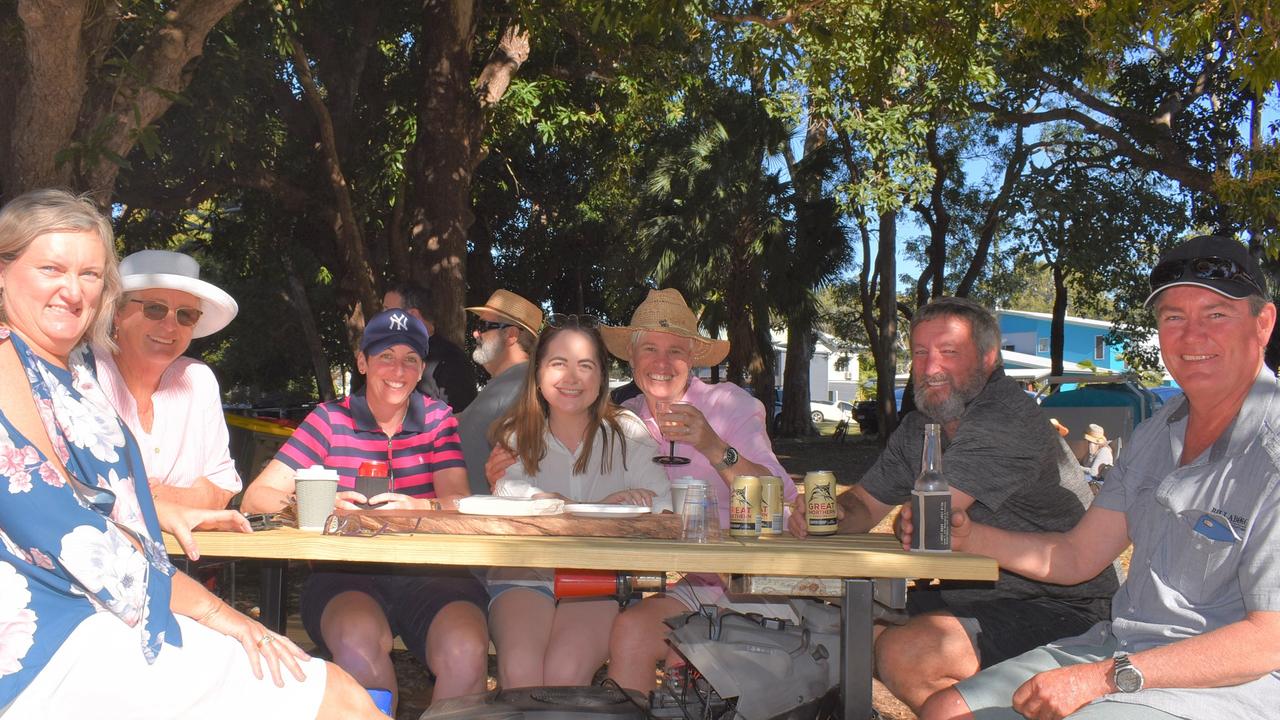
316	487
680	488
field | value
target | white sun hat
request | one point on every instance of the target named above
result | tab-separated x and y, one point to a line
168	270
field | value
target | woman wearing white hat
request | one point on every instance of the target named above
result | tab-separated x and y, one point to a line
1099	452
171	403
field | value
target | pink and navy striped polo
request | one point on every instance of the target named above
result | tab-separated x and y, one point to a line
342	434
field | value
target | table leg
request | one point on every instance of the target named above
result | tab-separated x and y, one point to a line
856	651
273	600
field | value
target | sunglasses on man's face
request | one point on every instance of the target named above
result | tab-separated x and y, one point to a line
155	310
484	326
1205	268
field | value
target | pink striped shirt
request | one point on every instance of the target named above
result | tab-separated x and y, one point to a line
342	434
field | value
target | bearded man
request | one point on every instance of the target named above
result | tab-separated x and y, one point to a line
1006	465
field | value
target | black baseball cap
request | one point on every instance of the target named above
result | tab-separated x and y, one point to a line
1213	262
394	327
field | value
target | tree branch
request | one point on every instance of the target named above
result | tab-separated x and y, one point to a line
790	17
511	52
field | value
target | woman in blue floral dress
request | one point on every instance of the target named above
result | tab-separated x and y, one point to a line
94	620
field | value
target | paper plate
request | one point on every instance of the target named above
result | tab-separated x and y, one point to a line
509	507
607	510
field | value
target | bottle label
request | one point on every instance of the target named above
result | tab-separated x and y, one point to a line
931	515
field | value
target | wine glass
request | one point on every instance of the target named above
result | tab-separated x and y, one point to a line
660	407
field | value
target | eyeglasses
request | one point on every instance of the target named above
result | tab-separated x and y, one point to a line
561	320
484	326
155	310
358	525
1205	268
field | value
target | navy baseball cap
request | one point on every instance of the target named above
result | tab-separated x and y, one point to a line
394	327
1212	262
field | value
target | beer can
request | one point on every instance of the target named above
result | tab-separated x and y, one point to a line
744	507
770	505
820	502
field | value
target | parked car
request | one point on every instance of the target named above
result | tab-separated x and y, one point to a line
823	411
865	412
1166	393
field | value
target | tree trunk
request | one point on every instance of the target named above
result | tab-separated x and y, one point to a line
448	148
885	348
794	421
297	296
1056	326
55	107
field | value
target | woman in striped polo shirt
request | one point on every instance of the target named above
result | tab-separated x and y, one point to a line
355	614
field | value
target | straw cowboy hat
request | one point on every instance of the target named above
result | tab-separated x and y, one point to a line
511	307
665	311
168	270
1095	434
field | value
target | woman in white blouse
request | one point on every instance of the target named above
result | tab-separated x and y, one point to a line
171	403
571	442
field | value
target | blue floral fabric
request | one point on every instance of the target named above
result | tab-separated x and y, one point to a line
61	559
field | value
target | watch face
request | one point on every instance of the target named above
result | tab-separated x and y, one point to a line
730	456
1128	679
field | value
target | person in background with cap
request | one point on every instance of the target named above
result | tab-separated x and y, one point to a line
719	427
506	329
356	614
1099	452
171	403
449	376
1195	628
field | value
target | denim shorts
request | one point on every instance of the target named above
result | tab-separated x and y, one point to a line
409	601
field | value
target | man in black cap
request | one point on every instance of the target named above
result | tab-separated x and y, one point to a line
1195	628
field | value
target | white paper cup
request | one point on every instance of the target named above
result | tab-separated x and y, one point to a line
316	487
680	488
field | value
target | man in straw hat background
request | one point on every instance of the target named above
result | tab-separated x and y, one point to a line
506	329
720	428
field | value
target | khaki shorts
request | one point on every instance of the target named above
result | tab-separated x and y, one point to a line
989	694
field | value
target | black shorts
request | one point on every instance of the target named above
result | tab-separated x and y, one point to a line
1003	628
409	601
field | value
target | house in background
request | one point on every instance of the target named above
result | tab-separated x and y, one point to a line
826	382
1083	339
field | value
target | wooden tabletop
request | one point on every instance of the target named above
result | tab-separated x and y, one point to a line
872	555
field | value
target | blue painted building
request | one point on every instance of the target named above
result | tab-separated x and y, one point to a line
1083	339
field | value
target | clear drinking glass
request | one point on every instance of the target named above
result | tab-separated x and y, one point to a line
694	520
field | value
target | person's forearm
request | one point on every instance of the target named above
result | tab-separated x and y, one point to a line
191	599
1039	556
858	518
263	499
1217	658
202	494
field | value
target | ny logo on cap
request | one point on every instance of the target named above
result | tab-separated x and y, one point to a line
399	322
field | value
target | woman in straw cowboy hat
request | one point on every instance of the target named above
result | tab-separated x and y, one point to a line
1099	452
720	427
170	402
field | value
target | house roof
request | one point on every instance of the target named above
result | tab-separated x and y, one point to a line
1087	322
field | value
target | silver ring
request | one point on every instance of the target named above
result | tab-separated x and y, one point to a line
265	640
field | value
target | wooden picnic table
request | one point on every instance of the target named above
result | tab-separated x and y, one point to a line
857	560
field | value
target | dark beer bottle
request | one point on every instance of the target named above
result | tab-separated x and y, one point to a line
931	498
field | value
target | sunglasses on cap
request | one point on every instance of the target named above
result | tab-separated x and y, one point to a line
484	326
561	320
1203	268
156	310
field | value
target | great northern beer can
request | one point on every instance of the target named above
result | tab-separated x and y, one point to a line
820	502
770	505
744	507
